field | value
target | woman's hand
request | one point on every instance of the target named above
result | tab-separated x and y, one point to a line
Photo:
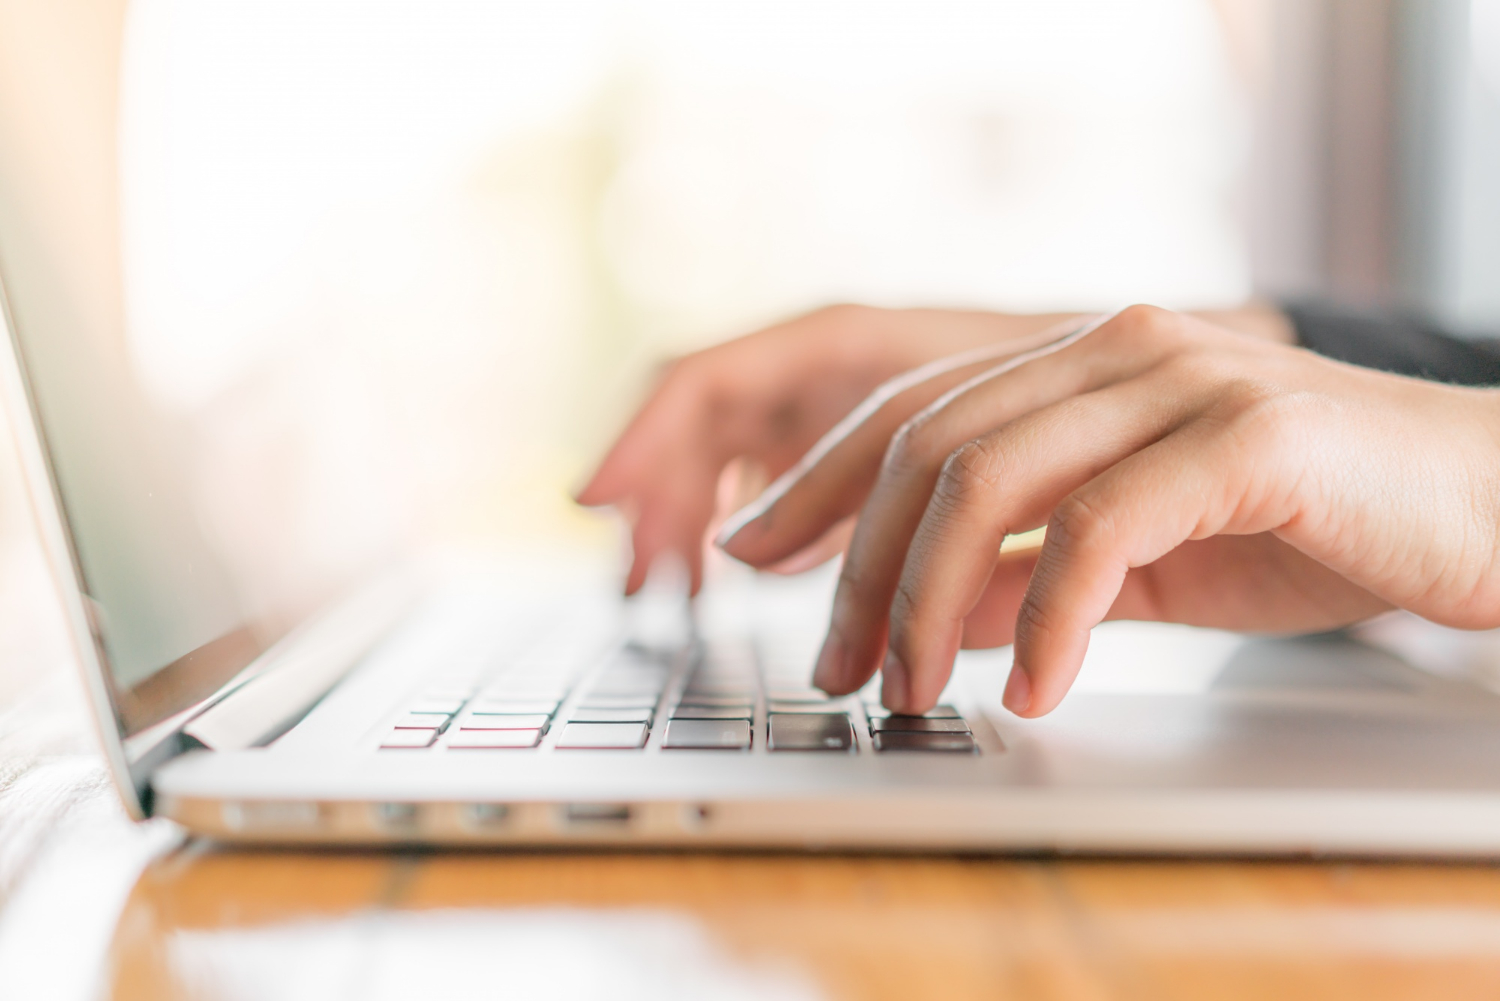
766	399
1184	472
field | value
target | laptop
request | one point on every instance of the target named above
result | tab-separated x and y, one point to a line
526	705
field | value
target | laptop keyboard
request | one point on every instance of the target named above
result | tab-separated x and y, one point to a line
716	698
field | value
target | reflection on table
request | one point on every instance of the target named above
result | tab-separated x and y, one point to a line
212	923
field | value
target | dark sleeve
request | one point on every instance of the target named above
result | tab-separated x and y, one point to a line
1395	343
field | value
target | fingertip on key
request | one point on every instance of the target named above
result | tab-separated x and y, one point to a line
1017	696
829	672
895	686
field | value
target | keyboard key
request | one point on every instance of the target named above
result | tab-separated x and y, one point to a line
918	724
445	707
797	695
630	693
619	702
715	701
408	738
419	721
501	721
939	712
467	739
713	712
603	736
709	701
705	734
589	715
727	686
510	707
905	740
802	707
810	732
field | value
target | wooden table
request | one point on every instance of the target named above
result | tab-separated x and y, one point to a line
840	927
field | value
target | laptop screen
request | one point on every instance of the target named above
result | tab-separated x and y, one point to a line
170	622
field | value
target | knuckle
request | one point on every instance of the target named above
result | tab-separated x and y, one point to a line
1079	523
692	376
972	472
845	326
913	447
839	313
675	372
1147	324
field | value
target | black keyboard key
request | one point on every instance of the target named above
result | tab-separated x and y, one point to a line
918	724
745	711
905	740
939	712
708	734
810	732
718	701
802	695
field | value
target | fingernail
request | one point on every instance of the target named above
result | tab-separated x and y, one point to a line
1017	690
830	669
894	687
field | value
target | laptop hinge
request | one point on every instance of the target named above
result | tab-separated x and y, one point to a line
291	677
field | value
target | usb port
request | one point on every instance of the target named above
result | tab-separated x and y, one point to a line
597	813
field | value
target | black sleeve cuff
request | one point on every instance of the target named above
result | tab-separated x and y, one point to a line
1395	343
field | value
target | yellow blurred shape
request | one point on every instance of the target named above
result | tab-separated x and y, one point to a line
1023	541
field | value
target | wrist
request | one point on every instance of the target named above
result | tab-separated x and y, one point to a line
1257	319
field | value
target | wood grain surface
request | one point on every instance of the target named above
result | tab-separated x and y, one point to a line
877	927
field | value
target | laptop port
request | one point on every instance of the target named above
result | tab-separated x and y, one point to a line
272	815
596	814
695	816
397	816
486	815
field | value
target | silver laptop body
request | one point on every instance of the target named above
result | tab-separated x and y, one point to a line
521	705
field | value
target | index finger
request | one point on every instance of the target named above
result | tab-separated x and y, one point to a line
831	480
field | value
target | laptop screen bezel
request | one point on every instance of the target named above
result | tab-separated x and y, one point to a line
50	517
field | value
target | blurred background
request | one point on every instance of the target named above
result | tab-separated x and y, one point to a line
398	270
